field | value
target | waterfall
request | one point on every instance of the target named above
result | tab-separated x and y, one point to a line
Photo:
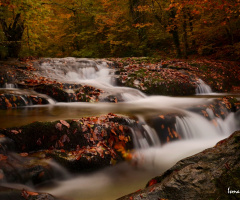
74	69
202	87
9	85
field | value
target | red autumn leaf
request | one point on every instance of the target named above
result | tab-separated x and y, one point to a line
58	126
152	182
65	123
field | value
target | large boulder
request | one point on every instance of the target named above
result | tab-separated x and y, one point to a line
79	145
211	174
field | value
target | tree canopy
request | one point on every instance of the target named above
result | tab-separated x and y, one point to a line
107	28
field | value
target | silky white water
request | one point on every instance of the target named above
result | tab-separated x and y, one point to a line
152	155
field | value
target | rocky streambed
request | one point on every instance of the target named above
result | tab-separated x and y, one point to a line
93	114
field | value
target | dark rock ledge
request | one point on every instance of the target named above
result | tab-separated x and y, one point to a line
211	174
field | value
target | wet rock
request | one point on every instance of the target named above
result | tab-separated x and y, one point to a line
69	92
21	168
211	174
79	145
165	126
16	194
18	100
157	81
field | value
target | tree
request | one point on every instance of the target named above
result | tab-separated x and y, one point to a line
13	30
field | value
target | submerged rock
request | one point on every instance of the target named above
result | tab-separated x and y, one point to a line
211	174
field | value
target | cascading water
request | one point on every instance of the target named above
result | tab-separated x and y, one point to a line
202	87
153	155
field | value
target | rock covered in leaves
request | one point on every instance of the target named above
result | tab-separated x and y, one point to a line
177	77
211	174
9	100
87	143
13	194
157	80
70	92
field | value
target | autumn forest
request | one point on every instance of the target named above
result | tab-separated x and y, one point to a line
107	28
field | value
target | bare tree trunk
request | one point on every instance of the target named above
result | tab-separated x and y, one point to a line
13	34
175	35
185	36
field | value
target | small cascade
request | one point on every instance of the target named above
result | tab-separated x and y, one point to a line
202	87
195	126
74	69
9	85
59	171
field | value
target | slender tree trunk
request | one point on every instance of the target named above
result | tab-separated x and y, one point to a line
138	17
185	37
175	35
13	34
190	18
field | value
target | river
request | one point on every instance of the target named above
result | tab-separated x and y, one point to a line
152	156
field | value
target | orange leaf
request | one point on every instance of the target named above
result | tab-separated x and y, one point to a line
32	193
23	154
113	132
121	137
121	128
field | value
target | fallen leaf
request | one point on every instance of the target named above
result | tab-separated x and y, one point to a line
65	123
58	126
113	132
161	116
23	154
121	128
152	182
15	132
32	193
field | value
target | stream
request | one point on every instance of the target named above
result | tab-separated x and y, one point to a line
152	156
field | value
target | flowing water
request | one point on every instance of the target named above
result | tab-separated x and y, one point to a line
152	156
